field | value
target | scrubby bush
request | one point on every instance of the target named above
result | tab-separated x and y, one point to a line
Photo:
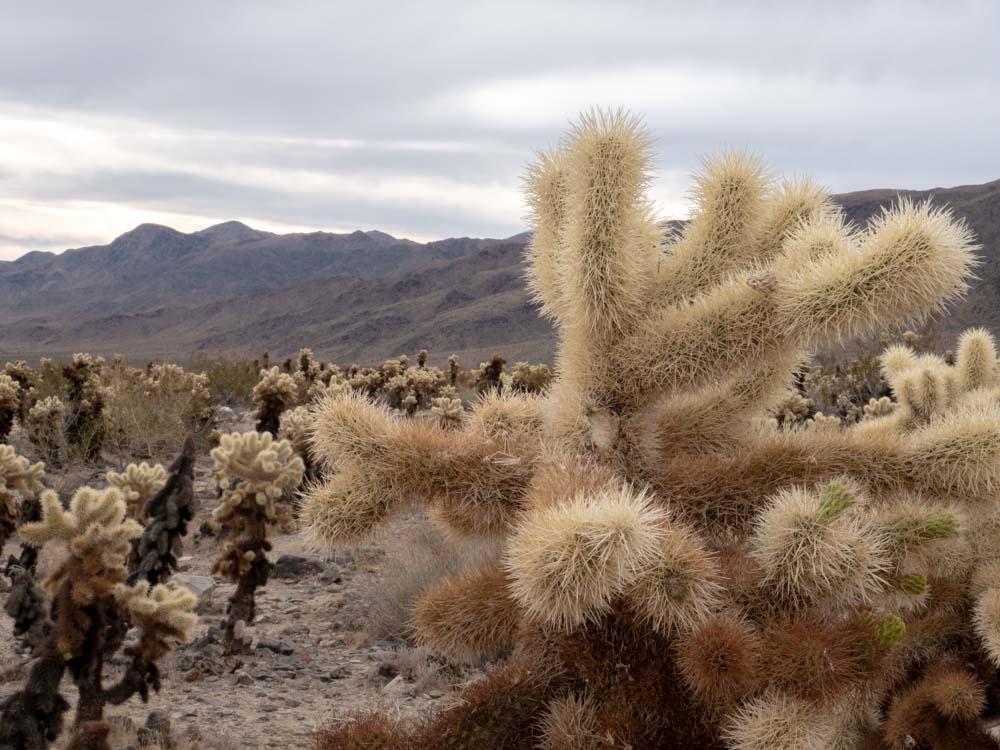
678	572
148	412
45	427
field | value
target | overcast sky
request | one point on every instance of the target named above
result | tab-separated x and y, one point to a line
417	118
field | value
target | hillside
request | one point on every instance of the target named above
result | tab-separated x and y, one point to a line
230	289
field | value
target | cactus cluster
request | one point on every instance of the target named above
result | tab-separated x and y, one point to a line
254	470
401	386
678	571
90	610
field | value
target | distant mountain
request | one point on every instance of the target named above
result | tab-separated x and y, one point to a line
359	297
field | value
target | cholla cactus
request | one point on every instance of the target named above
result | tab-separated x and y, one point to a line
85	428
254	470
296	426
10	402
169	510
528	378
448	411
453	370
89	608
679	573
138	484
794	409
17	475
275	392
490	374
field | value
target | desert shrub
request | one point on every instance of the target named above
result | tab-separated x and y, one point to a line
45	428
657	527
229	381
149	412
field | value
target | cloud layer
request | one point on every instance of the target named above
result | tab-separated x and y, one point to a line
417	118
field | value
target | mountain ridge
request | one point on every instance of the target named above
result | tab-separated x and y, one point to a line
230	289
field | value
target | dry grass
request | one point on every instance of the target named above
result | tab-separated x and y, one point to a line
417	556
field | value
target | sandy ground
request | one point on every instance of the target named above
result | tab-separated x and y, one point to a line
308	667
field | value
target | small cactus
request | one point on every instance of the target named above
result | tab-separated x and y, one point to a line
254	471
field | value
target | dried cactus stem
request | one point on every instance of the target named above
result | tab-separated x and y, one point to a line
153	557
32	718
242	604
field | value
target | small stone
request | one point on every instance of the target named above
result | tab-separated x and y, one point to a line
292	567
331	575
391	644
242	678
199	585
337	673
278	647
435	694
192	675
387	670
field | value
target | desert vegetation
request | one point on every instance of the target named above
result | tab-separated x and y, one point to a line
751	504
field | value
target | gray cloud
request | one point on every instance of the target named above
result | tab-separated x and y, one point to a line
417	118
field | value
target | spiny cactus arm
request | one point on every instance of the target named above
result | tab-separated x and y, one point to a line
468	616
569	560
957	457
160	612
786	211
349	427
944	705
345	507
976	363
545	184
812	549
258	465
728	195
10	401
610	236
779	721
681	588
19	474
473	477
711	418
914	259
719	659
